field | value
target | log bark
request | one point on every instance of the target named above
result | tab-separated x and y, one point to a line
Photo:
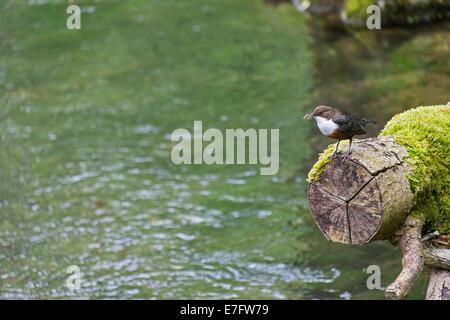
438	285
365	197
437	259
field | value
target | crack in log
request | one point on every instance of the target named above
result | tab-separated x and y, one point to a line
348	223
399	160
377	172
359	190
333	195
328	211
445	293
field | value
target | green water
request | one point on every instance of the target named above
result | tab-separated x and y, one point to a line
85	124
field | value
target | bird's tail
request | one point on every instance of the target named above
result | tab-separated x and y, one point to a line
367	121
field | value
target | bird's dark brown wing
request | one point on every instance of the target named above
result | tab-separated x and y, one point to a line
349	124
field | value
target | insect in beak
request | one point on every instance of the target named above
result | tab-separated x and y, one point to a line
308	116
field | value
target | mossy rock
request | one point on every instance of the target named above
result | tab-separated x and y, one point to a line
425	133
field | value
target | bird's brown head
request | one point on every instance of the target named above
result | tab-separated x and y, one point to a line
321	111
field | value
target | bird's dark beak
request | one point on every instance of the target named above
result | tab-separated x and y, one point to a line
308	116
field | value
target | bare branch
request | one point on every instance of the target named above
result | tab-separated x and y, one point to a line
410	244
436	258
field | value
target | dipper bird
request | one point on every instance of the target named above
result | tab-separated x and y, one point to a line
339	125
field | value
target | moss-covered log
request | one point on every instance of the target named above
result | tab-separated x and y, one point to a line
410	158
393	187
366	197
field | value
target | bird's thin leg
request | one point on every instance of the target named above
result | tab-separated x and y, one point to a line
335	150
349	150
350	147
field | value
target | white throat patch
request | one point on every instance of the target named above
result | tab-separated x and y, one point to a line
326	126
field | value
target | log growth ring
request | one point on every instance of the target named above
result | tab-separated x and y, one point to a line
346	202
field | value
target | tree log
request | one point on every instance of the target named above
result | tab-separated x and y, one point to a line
436	258
365	197
438	262
438	285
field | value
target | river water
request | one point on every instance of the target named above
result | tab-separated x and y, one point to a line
85	123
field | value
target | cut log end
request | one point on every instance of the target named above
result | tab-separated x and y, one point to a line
364	197
346	204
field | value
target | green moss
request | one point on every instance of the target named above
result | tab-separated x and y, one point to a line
324	158
425	132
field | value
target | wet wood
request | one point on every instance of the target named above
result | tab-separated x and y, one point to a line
409	240
365	197
438	285
437	258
